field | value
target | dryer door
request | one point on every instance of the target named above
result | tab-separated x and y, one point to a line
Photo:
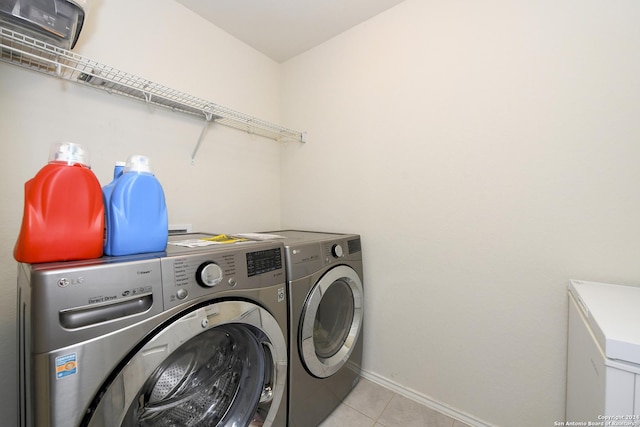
331	321
223	364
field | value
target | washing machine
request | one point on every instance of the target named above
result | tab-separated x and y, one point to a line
325	288
194	336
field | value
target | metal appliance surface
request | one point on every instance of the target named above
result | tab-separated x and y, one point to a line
189	337
325	286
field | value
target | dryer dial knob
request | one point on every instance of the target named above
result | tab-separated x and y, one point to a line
209	274
337	251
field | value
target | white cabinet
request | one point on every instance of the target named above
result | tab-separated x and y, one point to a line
603	371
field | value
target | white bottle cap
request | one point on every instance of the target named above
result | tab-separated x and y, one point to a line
138	163
69	153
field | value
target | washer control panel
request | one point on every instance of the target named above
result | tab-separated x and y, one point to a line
263	261
221	270
209	274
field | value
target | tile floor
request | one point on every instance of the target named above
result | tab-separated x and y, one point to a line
371	405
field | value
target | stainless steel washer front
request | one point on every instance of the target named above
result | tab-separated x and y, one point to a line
204	369
187	337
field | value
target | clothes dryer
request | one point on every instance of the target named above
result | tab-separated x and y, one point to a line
188	337
325	286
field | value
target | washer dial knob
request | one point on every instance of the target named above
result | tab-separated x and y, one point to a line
337	251
209	274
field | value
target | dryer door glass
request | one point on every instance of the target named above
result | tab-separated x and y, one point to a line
213	379
331	321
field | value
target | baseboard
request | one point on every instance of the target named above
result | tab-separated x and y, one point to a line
424	400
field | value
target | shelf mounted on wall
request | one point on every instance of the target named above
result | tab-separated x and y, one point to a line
37	55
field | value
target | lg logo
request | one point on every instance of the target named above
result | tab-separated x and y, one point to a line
64	282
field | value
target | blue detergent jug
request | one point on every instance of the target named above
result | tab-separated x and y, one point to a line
136	211
118	170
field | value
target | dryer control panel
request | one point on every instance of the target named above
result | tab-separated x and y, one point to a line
341	249
306	258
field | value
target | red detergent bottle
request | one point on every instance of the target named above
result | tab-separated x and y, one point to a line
63	216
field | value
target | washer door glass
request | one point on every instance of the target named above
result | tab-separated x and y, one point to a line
331	321
218	364
213	379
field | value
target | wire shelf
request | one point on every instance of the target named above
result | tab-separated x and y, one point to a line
37	55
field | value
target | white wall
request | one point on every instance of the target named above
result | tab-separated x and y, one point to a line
234	184
487	152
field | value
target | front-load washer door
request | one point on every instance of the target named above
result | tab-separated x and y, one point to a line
223	364
331	321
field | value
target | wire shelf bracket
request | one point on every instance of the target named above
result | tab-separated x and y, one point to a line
37	55
209	118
